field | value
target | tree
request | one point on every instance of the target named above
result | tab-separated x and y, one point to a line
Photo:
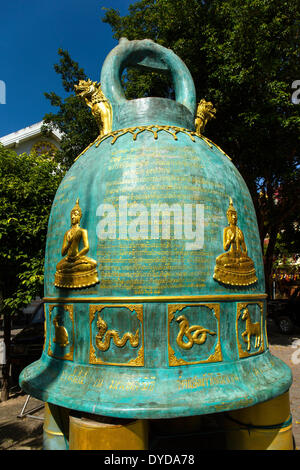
244	57
27	187
73	118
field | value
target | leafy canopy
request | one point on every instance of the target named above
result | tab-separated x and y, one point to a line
73	118
243	56
27	187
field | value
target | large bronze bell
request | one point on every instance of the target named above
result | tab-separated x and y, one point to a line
154	287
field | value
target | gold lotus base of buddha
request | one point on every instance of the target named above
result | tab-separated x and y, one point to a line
234	276
76	280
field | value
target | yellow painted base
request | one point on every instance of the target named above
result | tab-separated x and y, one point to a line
261	427
89	434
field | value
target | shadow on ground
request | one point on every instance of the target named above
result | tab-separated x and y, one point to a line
20	433
275	336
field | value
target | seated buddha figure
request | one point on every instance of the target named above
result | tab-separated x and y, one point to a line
234	267
76	269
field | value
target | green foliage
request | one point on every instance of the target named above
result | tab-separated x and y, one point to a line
243	56
73	118
27	187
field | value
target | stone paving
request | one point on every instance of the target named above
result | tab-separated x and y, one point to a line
27	433
287	349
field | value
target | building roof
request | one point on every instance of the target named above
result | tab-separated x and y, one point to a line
16	138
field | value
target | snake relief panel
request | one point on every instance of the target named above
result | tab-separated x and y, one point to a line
249	328
61	332
193	334
116	335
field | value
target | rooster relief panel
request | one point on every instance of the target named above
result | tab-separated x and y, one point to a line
193	334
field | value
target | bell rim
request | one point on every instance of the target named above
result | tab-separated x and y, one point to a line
193	402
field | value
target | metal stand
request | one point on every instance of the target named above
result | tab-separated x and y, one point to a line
28	414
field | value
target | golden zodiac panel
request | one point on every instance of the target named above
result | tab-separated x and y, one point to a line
190	343
61	342
104	336
76	270
110	343
234	267
249	328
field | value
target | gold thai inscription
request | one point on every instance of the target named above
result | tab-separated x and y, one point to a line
206	380
75	270
80	376
246	328
195	334
104	336
61	335
234	267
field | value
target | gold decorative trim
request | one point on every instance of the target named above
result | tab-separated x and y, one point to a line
138	361
266	333
216	356
69	355
241	307
161	298
53	433
154	129
45	326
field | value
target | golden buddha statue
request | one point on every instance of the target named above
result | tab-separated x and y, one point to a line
76	269
234	267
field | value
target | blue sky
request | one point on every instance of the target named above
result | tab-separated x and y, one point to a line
31	31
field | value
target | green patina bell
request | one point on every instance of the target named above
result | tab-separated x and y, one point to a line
154	287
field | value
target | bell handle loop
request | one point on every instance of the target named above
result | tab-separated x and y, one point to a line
148	55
